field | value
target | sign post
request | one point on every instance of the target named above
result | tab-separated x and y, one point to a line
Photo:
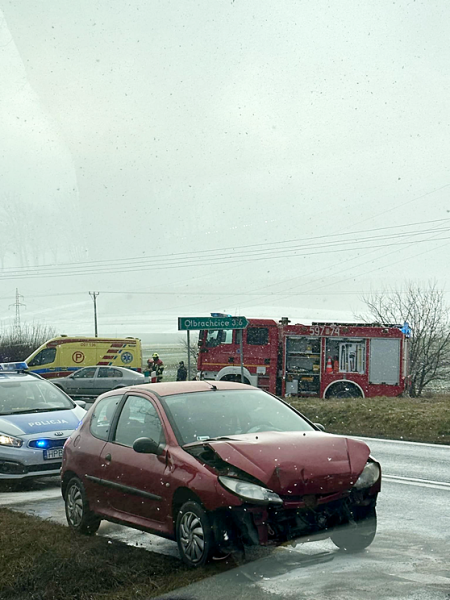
213	324
242	356
189	355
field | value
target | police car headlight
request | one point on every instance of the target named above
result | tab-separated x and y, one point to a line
8	440
369	476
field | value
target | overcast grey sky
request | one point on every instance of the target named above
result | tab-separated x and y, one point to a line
145	144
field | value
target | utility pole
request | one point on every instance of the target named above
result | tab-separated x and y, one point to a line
17	306
94	297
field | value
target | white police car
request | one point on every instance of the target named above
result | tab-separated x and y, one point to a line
36	418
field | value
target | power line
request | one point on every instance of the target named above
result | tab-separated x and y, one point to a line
335	273
353	277
257	248
214	261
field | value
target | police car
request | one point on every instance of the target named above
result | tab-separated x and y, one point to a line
36	418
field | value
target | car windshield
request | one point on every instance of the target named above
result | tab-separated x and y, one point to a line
22	395
200	416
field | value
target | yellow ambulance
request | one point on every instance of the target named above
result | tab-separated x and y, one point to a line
63	355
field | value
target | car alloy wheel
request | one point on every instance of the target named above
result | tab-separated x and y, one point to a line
78	515
194	534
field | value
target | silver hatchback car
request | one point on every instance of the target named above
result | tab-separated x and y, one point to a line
90	382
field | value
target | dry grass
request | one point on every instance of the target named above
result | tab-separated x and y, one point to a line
46	561
414	419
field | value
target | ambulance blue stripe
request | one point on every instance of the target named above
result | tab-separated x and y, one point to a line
65	369
55	370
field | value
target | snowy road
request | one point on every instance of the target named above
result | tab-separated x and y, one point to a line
408	559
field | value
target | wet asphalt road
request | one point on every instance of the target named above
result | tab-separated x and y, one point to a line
408	559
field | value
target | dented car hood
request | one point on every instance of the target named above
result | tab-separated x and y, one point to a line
296	463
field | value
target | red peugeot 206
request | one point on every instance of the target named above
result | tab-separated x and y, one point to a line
216	466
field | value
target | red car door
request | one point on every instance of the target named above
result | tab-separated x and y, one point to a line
89	449
138	484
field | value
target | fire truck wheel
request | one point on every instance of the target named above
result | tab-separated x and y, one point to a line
236	378
344	389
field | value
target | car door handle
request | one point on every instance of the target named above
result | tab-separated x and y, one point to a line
108	457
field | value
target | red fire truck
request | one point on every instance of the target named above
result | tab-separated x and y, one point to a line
322	359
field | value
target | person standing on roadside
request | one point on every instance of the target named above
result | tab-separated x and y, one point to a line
157	367
182	371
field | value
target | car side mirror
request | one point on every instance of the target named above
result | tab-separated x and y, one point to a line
200	343
320	426
80	403
145	445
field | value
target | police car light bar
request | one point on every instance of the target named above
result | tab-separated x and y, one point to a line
14	366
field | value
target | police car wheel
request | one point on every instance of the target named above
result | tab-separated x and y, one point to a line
78	515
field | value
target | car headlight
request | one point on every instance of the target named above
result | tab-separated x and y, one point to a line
9	440
369	476
250	491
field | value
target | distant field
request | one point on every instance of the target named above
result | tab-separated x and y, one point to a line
413	419
170	354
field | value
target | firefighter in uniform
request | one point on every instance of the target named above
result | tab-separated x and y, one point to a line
156	365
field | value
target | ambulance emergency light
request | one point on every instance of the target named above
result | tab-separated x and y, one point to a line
14	366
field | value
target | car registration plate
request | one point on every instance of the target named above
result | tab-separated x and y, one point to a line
53	453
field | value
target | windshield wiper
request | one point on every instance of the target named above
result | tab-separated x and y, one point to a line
212	439
36	410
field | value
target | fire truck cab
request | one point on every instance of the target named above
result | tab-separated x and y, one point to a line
322	359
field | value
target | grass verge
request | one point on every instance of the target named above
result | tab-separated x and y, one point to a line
413	419
46	561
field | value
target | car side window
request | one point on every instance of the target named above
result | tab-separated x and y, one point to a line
45	357
103	372
116	373
103	415
138	418
85	373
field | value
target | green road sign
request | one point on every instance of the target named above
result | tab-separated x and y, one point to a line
189	323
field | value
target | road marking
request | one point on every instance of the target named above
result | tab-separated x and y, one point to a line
436	485
359	437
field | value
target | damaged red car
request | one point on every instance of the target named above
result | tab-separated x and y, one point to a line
216	467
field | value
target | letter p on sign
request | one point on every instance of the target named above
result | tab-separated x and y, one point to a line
78	357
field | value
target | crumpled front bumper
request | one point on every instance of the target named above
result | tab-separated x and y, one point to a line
260	525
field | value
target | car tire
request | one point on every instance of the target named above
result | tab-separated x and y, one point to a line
343	390
194	535
356	536
79	517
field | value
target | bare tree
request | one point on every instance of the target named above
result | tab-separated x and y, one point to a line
18	345
427	314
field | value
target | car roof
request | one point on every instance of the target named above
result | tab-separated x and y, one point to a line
126	369
5	375
171	388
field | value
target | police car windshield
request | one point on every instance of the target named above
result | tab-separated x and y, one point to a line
23	395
